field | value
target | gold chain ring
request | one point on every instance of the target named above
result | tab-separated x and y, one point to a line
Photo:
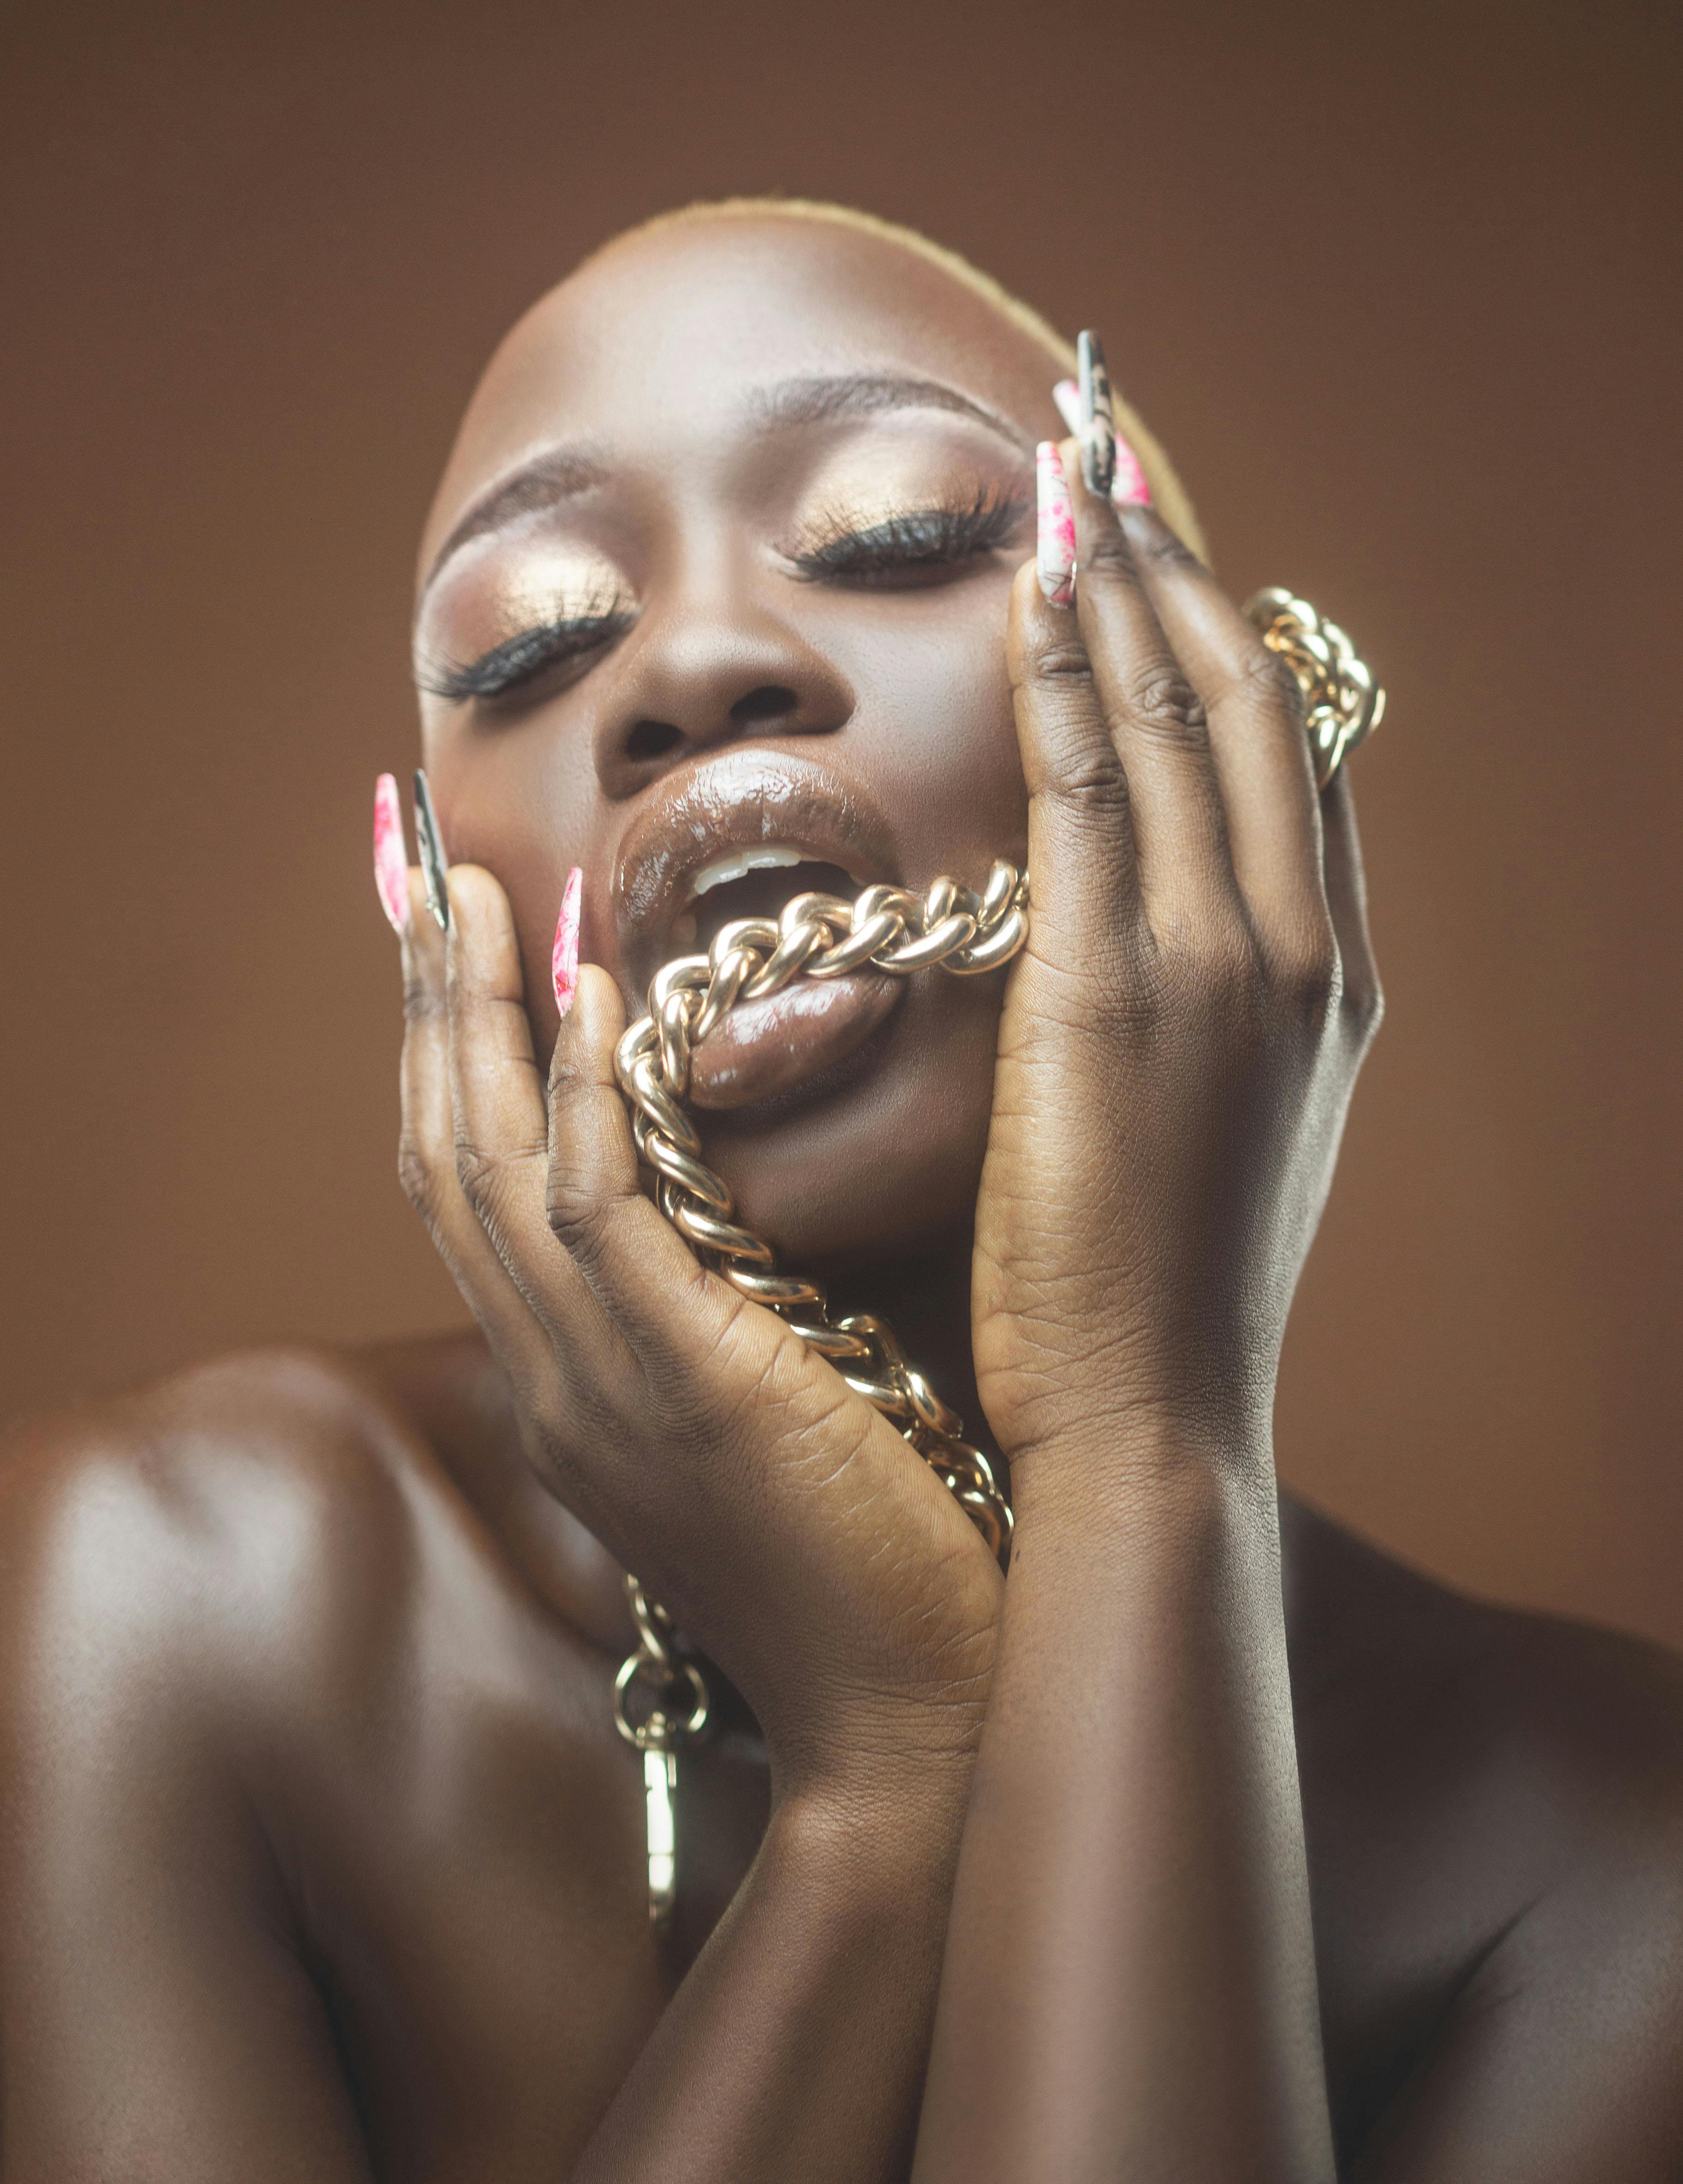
823	936
1342	701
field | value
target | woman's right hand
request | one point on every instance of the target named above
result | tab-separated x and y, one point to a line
787	1526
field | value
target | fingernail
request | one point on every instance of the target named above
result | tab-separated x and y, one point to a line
1129	487
390	859
1098	427
1067	396
431	844
1055	533
564	962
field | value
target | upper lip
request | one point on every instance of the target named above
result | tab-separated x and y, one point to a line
729	803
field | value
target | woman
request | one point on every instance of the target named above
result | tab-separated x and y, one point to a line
323	1856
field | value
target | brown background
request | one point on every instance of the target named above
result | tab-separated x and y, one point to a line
1400	287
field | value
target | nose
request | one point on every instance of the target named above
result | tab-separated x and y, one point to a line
697	673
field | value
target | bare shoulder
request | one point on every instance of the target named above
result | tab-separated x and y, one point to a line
256	1537
244	1494
297	1767
1410	1679
1493	1803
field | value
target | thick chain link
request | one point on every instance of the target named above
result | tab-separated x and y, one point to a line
818	936
1343	701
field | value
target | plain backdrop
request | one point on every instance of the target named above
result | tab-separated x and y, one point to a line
1399	288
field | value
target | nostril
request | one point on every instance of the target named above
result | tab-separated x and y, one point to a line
770	702
653	739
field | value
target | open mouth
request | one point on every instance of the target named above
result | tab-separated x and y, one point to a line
754	882
740	836
767	1049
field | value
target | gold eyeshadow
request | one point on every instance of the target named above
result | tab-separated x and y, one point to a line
895	471
894	507
519	584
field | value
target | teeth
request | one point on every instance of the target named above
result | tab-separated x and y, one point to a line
764	856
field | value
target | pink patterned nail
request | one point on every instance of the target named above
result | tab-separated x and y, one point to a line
1129	488
1055	537
390	859
565	963
1067	396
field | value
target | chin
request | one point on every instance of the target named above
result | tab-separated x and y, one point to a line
881	1156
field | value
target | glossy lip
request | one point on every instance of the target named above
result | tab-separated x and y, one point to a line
731	802
841	1076
788	1041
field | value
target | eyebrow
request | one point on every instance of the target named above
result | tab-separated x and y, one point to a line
543	480
558	474
865	394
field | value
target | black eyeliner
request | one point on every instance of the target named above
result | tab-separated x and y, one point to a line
920	538
521	657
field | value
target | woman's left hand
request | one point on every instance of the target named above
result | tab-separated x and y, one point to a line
1130	1960
1182	1035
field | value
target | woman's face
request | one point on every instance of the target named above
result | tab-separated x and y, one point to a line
716	579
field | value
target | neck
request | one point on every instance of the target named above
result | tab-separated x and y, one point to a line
925	1298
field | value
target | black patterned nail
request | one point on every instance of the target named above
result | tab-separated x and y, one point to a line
1098	428
431	842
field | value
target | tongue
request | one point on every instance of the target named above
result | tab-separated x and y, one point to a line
763	1048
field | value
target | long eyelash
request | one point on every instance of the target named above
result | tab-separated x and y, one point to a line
926	538
518	659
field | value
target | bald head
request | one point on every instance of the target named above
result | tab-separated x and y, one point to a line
768	289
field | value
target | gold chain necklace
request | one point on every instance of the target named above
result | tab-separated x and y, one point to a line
821	936
818	936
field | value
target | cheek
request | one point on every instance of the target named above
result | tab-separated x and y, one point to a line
522	802
935	728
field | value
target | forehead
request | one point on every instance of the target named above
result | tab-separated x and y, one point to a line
672	331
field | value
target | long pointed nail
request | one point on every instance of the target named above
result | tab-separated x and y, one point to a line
1067	396
431	844
1055	532
564	965
390	859
1098	426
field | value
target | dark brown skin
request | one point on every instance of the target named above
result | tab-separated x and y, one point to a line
321	1858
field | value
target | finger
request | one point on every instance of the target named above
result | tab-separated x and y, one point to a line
1080	828
1258	740
501	1124
426	1156
1156	720
641	1270
1363	1001
697	1343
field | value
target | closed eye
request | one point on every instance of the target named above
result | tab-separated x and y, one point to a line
521	658
914	545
